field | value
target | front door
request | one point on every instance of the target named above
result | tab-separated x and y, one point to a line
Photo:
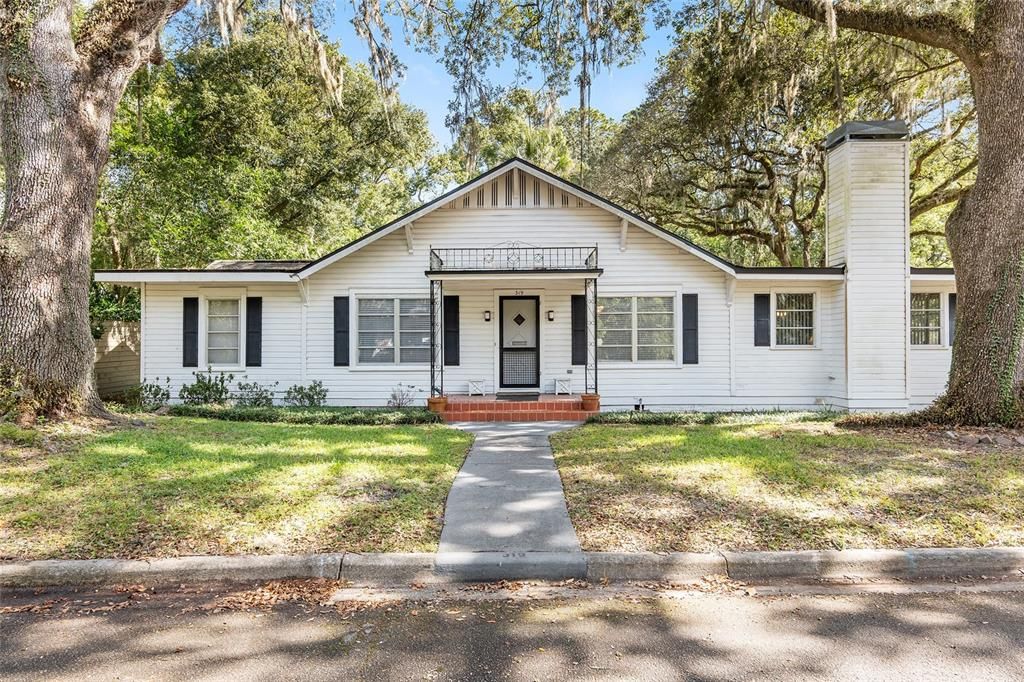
520	341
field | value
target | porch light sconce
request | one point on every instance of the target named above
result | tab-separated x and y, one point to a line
487	316
551	316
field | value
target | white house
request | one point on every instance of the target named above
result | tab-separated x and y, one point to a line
520	281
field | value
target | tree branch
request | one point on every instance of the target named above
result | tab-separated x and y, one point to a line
938	30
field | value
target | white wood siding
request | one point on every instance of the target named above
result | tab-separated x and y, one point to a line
791	378
874	193
837	207
929	367
162	335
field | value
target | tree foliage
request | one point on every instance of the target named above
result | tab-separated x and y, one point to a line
524	123
727	148
237	152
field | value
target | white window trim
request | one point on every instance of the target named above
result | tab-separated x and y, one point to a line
943	343
395	365
205	296
817	318
677	361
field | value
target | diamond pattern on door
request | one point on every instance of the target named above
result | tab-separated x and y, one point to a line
519	319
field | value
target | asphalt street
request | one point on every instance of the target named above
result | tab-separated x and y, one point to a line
291	632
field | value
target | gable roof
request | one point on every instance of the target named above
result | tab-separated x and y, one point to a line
515	163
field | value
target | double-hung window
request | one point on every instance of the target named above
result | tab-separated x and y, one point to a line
794	319
223	331
636	329
925	319
394	330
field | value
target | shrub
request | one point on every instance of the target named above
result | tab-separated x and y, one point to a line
655	418
323	416
314	395
402	396
147	397
253	394
899	420
209	389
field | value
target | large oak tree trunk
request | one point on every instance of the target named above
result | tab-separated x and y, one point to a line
986	238
56	110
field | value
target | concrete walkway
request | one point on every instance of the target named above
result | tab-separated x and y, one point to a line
506	514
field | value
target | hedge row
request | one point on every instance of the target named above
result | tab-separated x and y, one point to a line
695	418
319	416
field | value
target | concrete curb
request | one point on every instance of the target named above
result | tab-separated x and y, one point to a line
173	570
398	569
675	566
493	566
388	568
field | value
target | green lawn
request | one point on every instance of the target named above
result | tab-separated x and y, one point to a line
193	486
765	484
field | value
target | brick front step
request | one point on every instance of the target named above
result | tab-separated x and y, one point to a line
485	409
516	416
527	416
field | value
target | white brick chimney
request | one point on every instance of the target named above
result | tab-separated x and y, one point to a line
868	231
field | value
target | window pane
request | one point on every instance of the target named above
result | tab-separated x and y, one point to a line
794	337
925	302
666	353
376	306
794	318
610	337
655	321
222	340
223	324
410	355
615	321
374	339
794	302
414	323
617	304
615	353
663	337
222	357
654	304
415	339
224	307
414	306
375	323
384	355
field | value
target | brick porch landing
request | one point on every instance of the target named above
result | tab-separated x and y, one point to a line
490	408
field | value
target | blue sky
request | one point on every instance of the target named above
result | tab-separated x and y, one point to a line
427	86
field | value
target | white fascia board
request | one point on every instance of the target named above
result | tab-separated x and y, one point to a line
799	277
136	278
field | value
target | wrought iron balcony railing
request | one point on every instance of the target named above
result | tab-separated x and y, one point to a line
514	259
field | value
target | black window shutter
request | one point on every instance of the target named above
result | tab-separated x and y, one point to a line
579	330
341	331
689	329
253	331
952	318
451	330
762	320
190	332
